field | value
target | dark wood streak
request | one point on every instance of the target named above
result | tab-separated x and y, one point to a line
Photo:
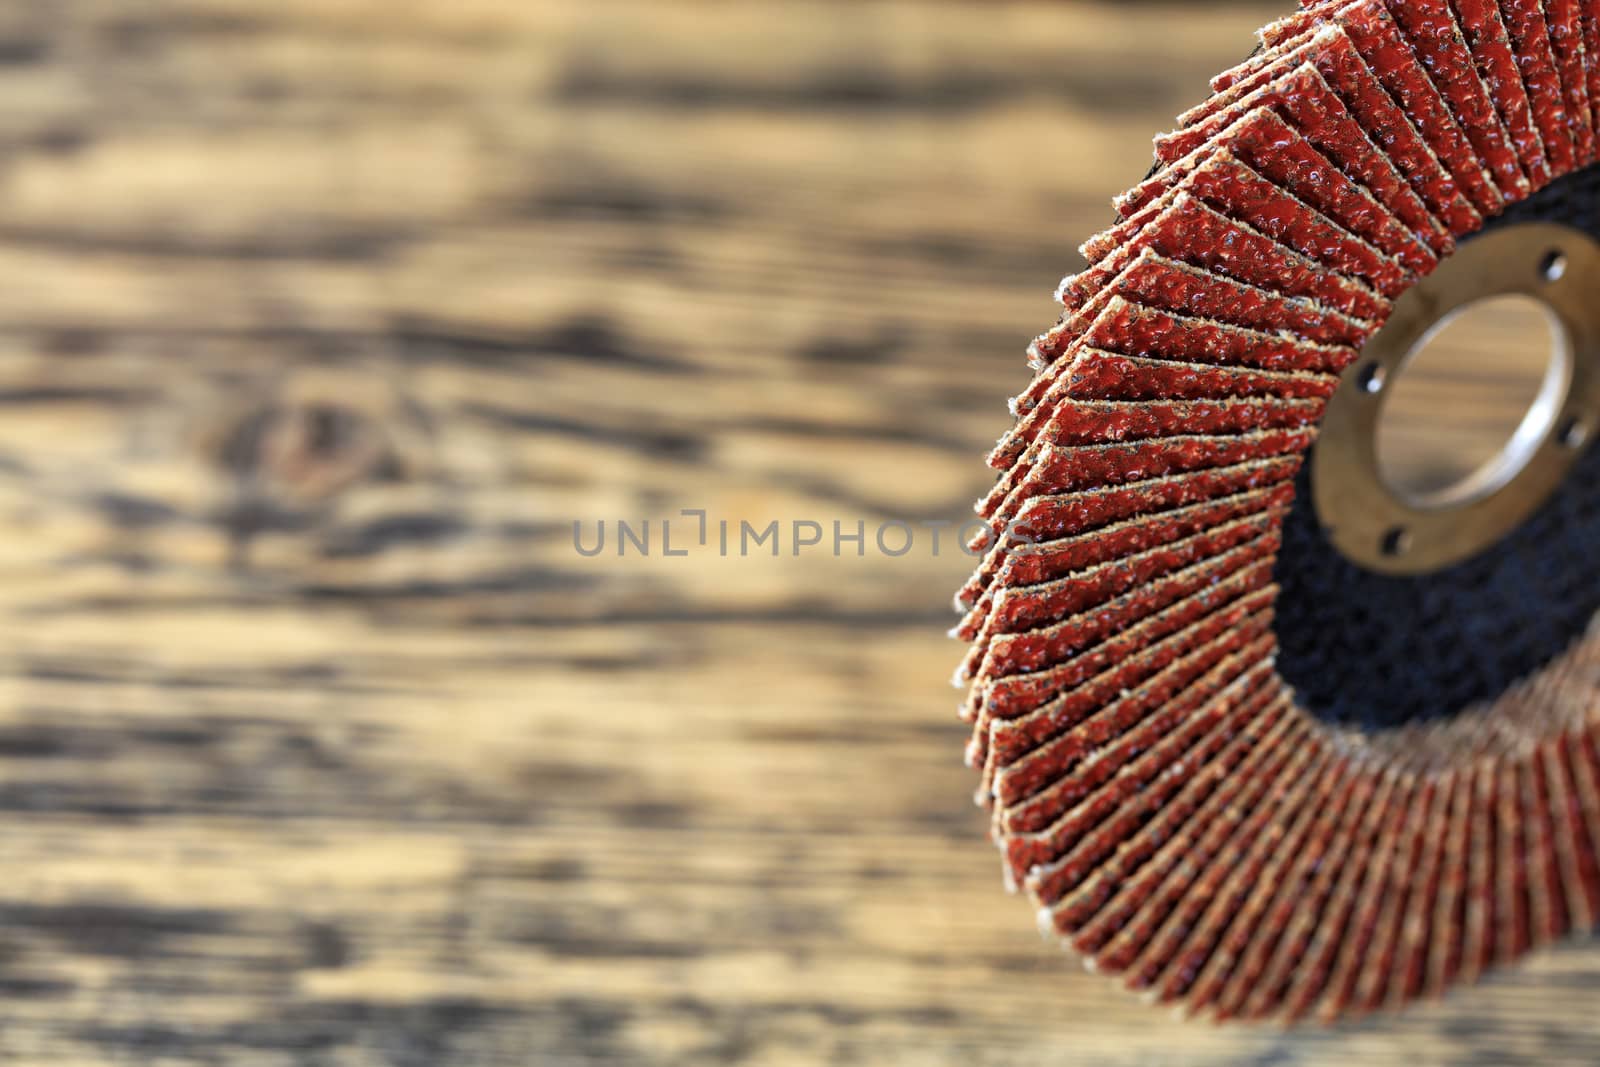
320	323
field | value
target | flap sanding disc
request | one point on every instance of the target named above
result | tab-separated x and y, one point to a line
1256	736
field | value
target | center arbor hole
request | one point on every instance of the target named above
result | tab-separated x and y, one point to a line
1471	402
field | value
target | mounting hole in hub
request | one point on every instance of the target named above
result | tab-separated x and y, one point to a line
1371	378
1396	541
1471	402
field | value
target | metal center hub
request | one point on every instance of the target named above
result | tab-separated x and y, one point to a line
1396	533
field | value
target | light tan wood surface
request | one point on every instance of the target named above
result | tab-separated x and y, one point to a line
320	324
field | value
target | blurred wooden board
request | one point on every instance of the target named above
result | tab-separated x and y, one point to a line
320	323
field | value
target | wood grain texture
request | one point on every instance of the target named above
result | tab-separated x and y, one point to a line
320	323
